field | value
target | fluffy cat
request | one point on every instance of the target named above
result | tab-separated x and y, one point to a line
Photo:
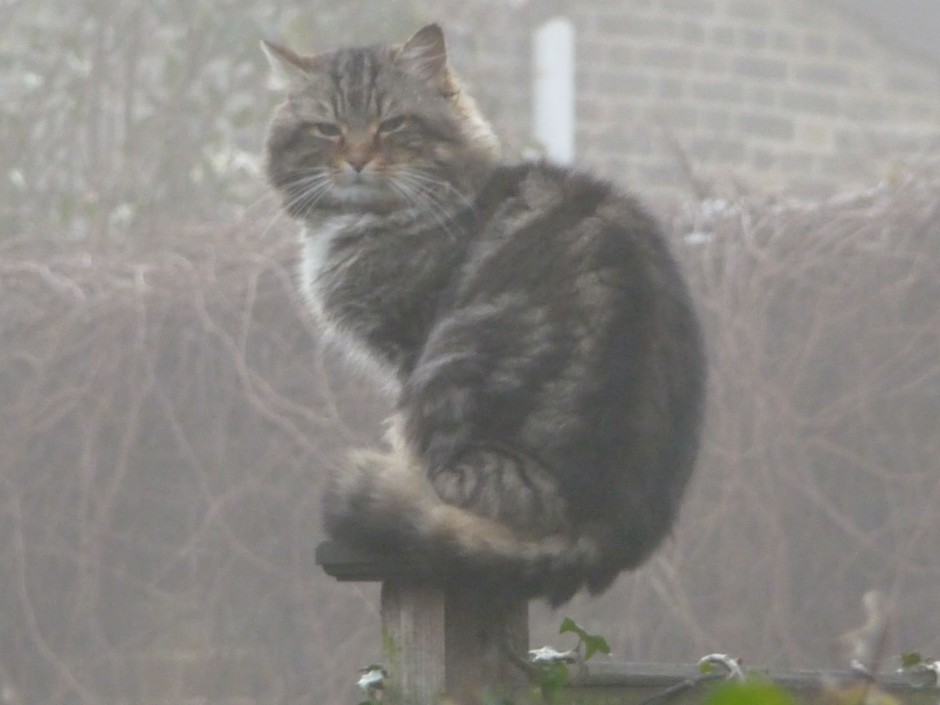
545	355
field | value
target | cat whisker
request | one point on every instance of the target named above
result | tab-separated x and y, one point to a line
314	186
422	197
435	182
307	191
439	190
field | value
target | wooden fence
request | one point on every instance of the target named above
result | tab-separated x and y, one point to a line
456	641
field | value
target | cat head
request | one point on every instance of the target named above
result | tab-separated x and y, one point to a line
374	129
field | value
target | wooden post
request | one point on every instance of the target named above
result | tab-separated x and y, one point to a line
452	641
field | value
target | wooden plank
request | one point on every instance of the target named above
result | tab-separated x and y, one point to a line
446	636
413	639
451	641
480	632
348	564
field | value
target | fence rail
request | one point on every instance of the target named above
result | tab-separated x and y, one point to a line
453	641
657	683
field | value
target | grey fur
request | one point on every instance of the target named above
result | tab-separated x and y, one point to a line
546	358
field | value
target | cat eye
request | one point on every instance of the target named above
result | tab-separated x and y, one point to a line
327	129
393	124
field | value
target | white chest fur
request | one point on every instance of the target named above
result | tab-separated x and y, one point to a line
317	275
317	242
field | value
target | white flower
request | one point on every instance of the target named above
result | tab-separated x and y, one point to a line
372	679
724	664
547	655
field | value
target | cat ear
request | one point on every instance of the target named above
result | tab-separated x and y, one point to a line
425	56
288	69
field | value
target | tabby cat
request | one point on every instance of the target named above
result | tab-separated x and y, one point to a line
545	357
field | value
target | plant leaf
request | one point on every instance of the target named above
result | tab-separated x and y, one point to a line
749	693
552	678
593	644
569	625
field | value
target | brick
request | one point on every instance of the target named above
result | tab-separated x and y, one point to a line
791	161
620	83
898	82
849	140
716	149
783	41
638	26
848	48
606	55
766	125
814	134
906	142
869	109
815	189
749	9
697	7
724	35
670	89
844	162
823	74
755	38
800	14
692	32
762	94
816	44
922	111
718	91
666	58
595	110
604	9
815	102
763	159
633	147
713	62
746	86
715	121
676	117
661	173
756	67
623	143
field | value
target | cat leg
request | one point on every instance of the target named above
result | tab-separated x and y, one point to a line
504	486
462	409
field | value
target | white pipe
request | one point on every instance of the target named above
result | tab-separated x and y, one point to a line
553	90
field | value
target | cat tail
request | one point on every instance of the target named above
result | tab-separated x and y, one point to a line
383	502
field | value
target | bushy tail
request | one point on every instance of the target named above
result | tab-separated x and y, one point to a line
384	501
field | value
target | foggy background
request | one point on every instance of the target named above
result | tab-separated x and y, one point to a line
167	411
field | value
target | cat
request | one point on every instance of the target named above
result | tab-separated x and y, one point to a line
546	359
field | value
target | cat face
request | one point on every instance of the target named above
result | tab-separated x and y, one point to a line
374	129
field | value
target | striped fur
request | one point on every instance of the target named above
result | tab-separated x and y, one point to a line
546	359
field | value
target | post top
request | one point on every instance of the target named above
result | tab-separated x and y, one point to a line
351	564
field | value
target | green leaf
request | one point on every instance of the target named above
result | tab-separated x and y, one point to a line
595	644
568	625
911	658
750	693
552	678
490	699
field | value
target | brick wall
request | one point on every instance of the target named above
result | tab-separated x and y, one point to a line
754	95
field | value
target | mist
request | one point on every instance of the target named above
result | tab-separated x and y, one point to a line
169	412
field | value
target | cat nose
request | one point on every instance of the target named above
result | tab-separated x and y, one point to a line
358	161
